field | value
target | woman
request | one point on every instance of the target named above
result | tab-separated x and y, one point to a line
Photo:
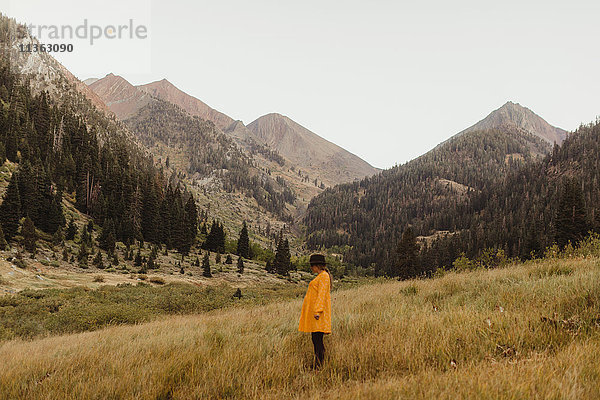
316	308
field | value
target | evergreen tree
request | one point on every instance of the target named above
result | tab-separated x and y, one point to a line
3	243
282	256
98	261
238	293
29	235
190	224
571	219
407	252
151	264
71	230
206	266
82	256
107	239
243	244
65	256
228	259
138	259
240	265
269	266
218	258
215	241
58	237
10	209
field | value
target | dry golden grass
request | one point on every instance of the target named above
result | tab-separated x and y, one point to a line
527	331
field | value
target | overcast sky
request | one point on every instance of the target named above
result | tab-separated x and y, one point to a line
387	80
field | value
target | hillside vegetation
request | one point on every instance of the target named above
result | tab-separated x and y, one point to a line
499	196
370	215
525	331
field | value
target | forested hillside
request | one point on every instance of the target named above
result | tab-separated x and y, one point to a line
553	201
478	191
206	152
59	145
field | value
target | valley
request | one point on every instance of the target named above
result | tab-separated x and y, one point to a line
152	246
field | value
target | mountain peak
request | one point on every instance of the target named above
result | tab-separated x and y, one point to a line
165	90
514	115
314	154
120	96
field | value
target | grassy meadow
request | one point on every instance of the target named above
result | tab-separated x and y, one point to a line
524	331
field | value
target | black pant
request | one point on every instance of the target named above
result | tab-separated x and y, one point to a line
317	339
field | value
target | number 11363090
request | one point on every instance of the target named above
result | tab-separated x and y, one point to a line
45	48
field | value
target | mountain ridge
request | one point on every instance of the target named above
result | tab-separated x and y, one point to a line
321	159
429	193
167	91
309	150
515	115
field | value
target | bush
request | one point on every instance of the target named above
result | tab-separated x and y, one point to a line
157	280
462	263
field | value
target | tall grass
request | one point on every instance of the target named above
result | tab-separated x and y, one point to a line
525	331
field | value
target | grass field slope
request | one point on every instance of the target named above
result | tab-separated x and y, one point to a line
522	331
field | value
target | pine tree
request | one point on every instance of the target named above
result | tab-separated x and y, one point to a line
10	209
407	251
58	237
29	235
206	266
218	258
151	264
269	266
243	244
98	261
215	241
240	265
107	239
3	243
220	242
571	219
238	293
191	224
138	259
282	256
82	256
71	230
65	256
228	259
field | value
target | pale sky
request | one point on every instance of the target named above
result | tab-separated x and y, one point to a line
387	80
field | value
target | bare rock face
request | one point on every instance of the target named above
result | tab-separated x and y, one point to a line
46	72
514	115
309	151
120	96
319	158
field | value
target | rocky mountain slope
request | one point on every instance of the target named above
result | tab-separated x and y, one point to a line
309	151
121	97
165	90
514	115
